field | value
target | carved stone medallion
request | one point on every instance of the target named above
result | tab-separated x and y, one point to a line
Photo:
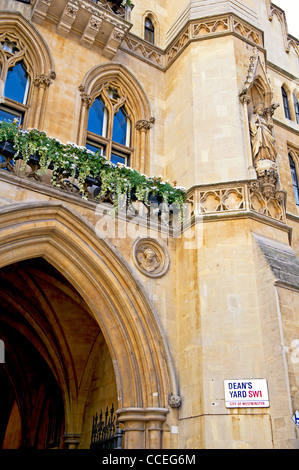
150	257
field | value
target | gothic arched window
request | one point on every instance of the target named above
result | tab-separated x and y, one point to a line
115	116
296	106
14	75
26	71
149	31
109	127
285	103
294	178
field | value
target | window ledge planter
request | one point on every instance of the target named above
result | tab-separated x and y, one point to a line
86	168
7	149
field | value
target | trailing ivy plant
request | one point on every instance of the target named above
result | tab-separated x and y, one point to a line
79	163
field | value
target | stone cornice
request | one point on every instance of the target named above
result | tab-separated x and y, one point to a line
194	30
205	203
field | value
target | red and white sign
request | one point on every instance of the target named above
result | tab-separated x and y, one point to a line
246	393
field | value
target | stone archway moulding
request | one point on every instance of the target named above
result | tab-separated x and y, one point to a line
143	368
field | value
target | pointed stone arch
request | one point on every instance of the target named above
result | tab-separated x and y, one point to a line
37	51
136	101
138	348
38	60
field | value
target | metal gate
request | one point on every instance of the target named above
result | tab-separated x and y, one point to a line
106	433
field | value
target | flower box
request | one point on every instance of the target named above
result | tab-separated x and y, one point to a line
7	149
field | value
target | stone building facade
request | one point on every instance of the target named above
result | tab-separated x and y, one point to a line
101	309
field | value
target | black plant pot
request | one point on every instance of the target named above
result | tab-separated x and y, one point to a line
133	196
155	199
35	158
7	149
90	180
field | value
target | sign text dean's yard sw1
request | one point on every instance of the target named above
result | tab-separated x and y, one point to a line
246	393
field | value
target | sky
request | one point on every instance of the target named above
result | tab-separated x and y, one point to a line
291	8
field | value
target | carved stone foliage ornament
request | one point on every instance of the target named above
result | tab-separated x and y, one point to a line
174	401
150	257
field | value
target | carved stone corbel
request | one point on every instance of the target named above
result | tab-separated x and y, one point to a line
67	18
144	125
90	31
44	80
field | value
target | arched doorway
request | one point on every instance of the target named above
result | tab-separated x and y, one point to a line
57	364
137	344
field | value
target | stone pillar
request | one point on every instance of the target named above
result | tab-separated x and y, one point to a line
41	82
87	101
142	427
72	440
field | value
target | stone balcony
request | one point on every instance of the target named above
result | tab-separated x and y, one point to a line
94	22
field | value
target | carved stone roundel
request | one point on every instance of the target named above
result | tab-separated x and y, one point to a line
150	257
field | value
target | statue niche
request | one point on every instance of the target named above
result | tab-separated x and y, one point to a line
264	153
256	97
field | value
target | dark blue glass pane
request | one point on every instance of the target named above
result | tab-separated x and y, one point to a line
16	83
96	118
120	127
7	116
115	159
95	148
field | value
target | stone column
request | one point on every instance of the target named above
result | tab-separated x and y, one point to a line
143	126
142	427
72	440
87	102
42	82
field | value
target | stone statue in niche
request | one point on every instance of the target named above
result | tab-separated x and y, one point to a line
262	140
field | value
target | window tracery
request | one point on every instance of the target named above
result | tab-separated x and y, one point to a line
26	71
109	124
112	108
14	77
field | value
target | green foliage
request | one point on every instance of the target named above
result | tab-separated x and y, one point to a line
79	163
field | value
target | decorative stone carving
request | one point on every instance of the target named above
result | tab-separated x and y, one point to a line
265	199
174	401
262	140
94	21
256	98
144	125
150	257
260	195
221	200
44	80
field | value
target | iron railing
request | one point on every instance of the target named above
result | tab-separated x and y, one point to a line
106	433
